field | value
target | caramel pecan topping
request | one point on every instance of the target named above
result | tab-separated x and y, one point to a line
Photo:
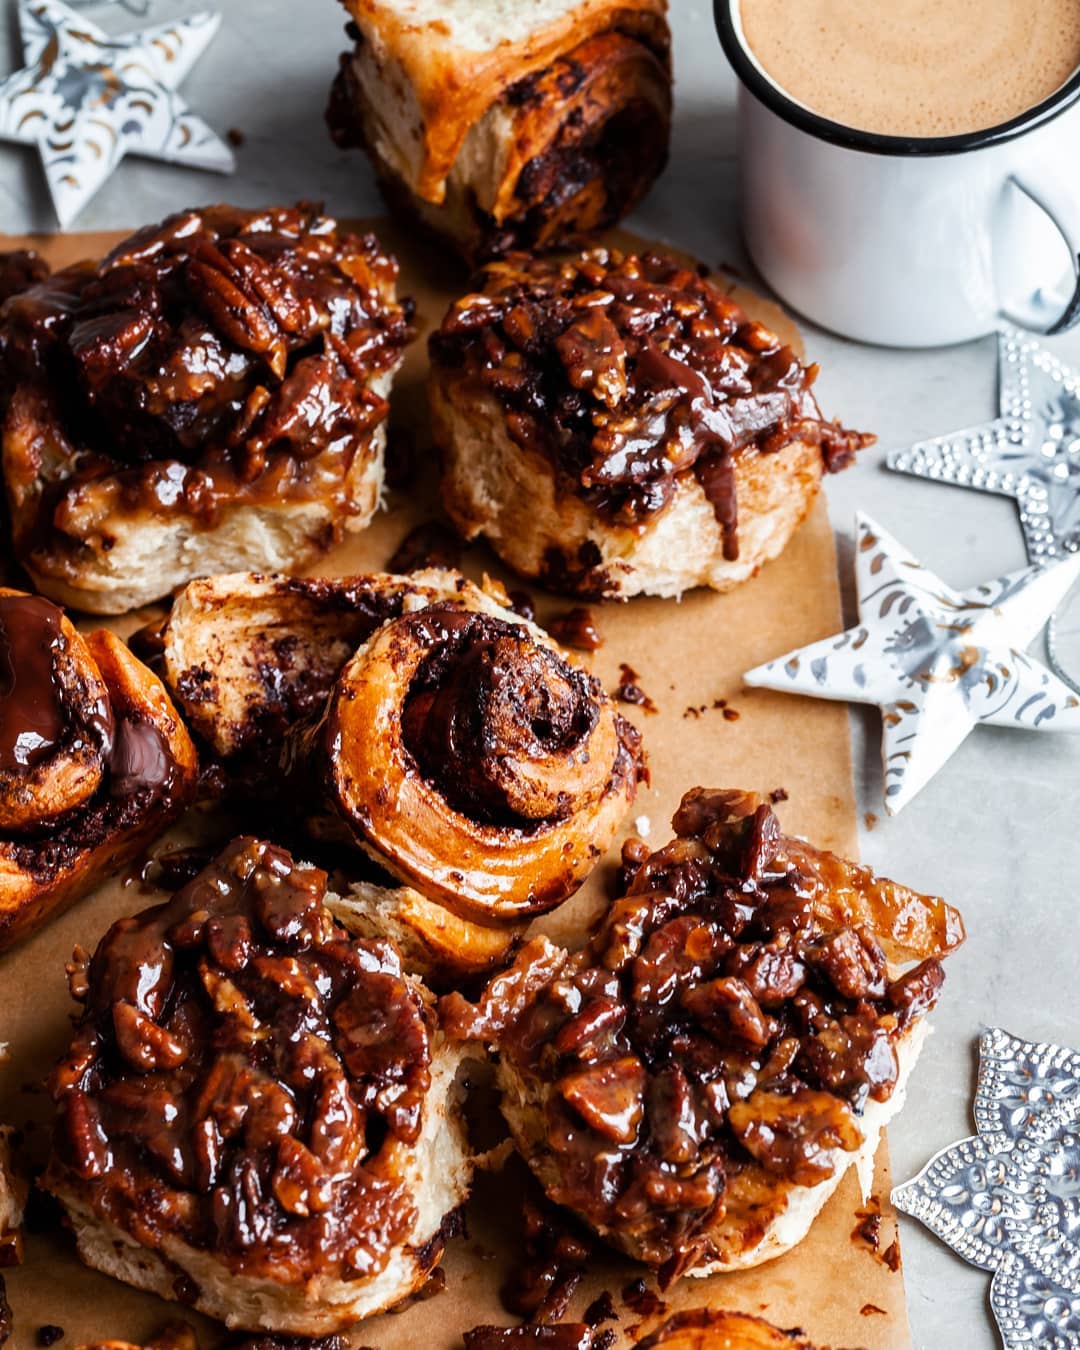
627	371
721	1020
19	269
244	1075
220	339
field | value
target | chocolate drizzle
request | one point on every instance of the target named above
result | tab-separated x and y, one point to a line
32	716
628	372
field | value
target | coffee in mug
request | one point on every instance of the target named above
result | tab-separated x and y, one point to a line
917	68
908	168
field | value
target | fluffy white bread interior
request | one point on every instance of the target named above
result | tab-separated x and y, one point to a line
117	559
420	58
474	25
437	1169
524	1106
493	487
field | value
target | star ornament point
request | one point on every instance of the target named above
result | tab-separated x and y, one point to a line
1030	451
86	100
936	661
1007	1199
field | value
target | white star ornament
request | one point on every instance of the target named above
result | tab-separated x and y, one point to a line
937	662
86	100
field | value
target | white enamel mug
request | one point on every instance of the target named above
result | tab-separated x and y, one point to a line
909	242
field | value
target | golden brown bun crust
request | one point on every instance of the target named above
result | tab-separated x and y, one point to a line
496	823
437	945
41	877
443	70
714	1329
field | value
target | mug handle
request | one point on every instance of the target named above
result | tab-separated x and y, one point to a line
1063	207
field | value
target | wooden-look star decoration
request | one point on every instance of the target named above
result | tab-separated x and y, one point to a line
1030	451
935	661
86	100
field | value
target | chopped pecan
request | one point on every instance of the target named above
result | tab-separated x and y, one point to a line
610	1097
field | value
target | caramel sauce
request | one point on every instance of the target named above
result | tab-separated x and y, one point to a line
714	1044
576	628
628	373
221	356
241	1073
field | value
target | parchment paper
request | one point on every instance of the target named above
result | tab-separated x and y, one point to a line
688	655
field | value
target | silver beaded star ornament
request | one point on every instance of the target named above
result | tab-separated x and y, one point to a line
937	662
1008	1199
1030	452
86	99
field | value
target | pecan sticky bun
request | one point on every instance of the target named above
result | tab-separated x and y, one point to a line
696	1080
508	130
616	424
418	718
257	1112
209	395
94	761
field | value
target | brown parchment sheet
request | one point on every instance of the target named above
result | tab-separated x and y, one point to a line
688	655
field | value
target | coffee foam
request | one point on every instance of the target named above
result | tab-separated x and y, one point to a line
915	67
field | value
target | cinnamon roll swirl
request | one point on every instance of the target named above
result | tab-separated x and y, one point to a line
257	1113
617	425
695	1081
514	129
475	762
209	395
453	741
94	761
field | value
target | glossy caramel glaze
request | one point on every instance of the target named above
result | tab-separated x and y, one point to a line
221	357
627	372
718	1037
71	765
243	1076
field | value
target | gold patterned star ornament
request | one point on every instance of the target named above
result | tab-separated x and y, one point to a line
936	661
86	99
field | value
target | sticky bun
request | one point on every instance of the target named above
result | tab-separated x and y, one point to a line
508	128
449	738
209	395
258	1114
697	1079
94	761
616	424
